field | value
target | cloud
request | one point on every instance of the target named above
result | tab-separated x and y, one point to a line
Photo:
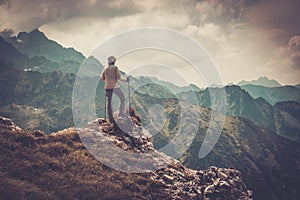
294	48
27	15
3	2
294	43
245	38
279	20
280	15
220	11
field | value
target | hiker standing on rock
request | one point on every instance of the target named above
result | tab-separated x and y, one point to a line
111	75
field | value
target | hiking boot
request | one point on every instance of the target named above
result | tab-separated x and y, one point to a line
112	121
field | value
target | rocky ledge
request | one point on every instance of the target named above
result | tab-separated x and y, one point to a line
180	182
64	155
213	183
6	123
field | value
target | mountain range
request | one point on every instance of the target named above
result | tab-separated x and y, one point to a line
33	51
260	137
264	157
240	103
274	94
262	81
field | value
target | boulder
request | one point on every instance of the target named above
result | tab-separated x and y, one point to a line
168	179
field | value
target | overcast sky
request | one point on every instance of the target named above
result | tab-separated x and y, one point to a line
246	39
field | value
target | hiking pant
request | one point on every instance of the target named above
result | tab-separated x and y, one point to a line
120	94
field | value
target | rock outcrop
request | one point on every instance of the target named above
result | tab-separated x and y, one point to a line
6	123
59	166
213	183
179	181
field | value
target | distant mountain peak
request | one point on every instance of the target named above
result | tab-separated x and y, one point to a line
43	53
6	33
262	81
35	34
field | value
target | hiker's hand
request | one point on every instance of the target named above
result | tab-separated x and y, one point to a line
128	79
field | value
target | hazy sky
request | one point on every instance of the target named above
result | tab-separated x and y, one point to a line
245	38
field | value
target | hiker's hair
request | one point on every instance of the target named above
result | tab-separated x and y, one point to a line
111	60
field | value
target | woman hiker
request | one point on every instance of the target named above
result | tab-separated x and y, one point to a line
111	75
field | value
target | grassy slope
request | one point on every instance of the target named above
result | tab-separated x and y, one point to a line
59	167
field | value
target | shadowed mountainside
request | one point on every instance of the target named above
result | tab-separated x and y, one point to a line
287	116
36	45
269	163
51	92
33	51
241	104
238	103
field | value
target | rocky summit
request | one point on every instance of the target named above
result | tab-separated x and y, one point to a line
6	123
35	165
213	183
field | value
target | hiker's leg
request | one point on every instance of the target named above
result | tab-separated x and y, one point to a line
109	93
121	96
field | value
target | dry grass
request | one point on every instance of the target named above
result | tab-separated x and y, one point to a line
39	166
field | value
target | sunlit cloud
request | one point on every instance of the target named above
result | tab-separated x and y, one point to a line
246	39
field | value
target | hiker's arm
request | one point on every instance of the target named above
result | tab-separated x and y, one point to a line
103	76
119	77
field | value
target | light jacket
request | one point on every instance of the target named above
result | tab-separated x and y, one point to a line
110	76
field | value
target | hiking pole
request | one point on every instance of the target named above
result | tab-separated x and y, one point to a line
105	105
128	80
